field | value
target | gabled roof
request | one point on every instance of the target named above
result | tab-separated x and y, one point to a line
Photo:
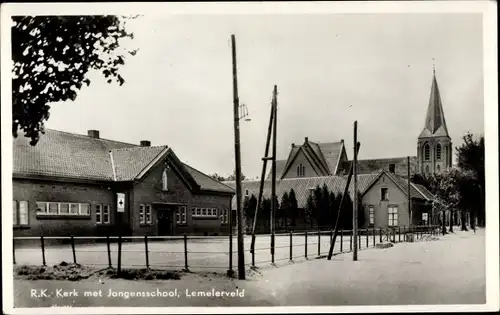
435	123
416	191
128	163
61	154
323	157
302	186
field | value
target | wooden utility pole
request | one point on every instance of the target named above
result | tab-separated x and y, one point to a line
236	107
339	212
263	175
273	180
409	196
355	208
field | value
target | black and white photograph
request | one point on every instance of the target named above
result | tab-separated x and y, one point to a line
249	157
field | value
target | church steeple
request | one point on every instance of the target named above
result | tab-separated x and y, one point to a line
434	147
435	123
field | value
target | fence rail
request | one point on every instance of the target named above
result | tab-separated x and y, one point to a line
198	253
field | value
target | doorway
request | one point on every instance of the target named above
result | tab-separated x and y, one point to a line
165	227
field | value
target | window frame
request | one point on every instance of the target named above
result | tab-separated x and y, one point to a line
386	196
43	209
393	216
181	215
371	216
427	152
439	152
106	211
98	213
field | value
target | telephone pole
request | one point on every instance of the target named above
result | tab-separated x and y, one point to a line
355	208
273	186
236	107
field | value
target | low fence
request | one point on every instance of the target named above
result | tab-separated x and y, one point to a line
201	253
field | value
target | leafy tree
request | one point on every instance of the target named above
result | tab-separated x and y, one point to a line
325	210
470	156
309	210
52	56
217	177
232	177
293	207
318	200
265	215
249	207
285	207
334	202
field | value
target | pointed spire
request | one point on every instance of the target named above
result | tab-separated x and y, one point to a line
435	123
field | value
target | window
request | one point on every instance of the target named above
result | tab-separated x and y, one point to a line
246	192
73	208
53	208
427	152
224	218
98	214
148	214
198	211
384	194
164	180
301	170
427	169
203	211
438	151
145	214
371	215
214	212
393	215
84	209
106	214
438	168
193	212
181	215
14	212
425	218
20	213
62	208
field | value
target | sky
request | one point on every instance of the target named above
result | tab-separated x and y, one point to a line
330	70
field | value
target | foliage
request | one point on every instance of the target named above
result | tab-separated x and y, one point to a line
217	177
293	209
470	156
51	58
249	206
232	177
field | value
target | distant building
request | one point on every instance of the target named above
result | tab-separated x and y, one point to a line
71	184
382	182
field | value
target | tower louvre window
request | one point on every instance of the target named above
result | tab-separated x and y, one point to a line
438	151
427	152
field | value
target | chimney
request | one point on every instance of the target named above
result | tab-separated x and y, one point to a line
307	139
293	145
342	140
392	168
93	134
145	143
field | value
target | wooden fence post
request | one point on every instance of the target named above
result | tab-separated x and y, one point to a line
341	239
291	246
186	252
119	253
146	250
306	245
366	231
109	252
319	243
350	240
252	250
374	236
14	251
380	232
73	248
43	250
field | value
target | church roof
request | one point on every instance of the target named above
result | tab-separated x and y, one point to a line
374	166
435	123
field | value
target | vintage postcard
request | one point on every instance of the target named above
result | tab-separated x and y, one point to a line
249	157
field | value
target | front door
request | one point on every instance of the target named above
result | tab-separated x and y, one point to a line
164	223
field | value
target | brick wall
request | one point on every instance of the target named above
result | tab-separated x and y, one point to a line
38	190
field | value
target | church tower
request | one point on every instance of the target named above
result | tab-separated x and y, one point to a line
434	147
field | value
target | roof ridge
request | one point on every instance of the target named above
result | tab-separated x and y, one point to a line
86	136
140	148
